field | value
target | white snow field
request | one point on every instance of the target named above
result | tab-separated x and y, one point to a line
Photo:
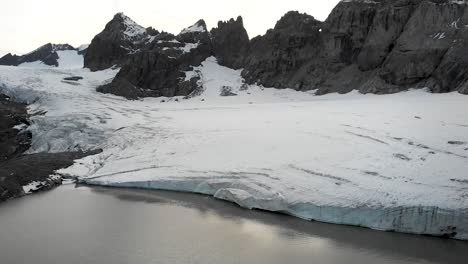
68	59
394	162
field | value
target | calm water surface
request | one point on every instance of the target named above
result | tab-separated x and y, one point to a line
87	225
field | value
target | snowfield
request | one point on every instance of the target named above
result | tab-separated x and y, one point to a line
395	162
68	59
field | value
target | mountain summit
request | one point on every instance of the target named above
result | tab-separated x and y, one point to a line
377	47
371	46
46	54
121	37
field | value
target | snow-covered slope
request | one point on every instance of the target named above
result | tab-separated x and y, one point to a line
82	47
69	59
197	27
34	64
394	162
132	31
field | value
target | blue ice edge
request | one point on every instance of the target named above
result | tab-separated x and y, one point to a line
420	220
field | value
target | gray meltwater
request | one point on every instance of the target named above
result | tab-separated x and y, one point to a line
87	225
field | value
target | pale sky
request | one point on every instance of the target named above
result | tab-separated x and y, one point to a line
28	24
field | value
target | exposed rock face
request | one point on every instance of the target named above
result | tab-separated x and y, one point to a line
46	53
17	169
10	60
158	69
230	43
121	37
306	54
22	170
422	45
389	22
379	46
452	73
374	46
12	141
285	56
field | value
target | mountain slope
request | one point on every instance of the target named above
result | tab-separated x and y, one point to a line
120	38
48	54
158	68
372	46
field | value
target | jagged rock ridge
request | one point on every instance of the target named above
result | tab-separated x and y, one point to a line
157	64
47	54
377	47
158	67
230	43
372	46
120	38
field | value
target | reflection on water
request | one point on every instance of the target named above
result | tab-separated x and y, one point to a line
101	225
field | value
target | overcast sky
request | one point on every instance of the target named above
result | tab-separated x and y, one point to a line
27	24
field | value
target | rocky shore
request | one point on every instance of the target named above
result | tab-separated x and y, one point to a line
25	173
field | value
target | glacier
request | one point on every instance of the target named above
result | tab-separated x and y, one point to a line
385	162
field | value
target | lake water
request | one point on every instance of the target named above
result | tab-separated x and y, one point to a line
92	225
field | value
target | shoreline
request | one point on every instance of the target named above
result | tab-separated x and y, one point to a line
20	173
116	215
428	221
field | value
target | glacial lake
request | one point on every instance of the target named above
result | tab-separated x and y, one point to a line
84	225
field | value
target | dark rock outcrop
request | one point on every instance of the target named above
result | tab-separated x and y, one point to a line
286	55
10	60
46	54
73	78
158	69
120	38
13	142
452	72
422	45
17	169
380	46
373	46
387	25
24	169
230	43
306	54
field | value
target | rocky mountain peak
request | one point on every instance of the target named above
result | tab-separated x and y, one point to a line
374	46
46	53
9	60
293	20
120	16
196	33
58	47
124	28
128	28
120	37
230	42
198	27
159	66
238	21
152	32
379	46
